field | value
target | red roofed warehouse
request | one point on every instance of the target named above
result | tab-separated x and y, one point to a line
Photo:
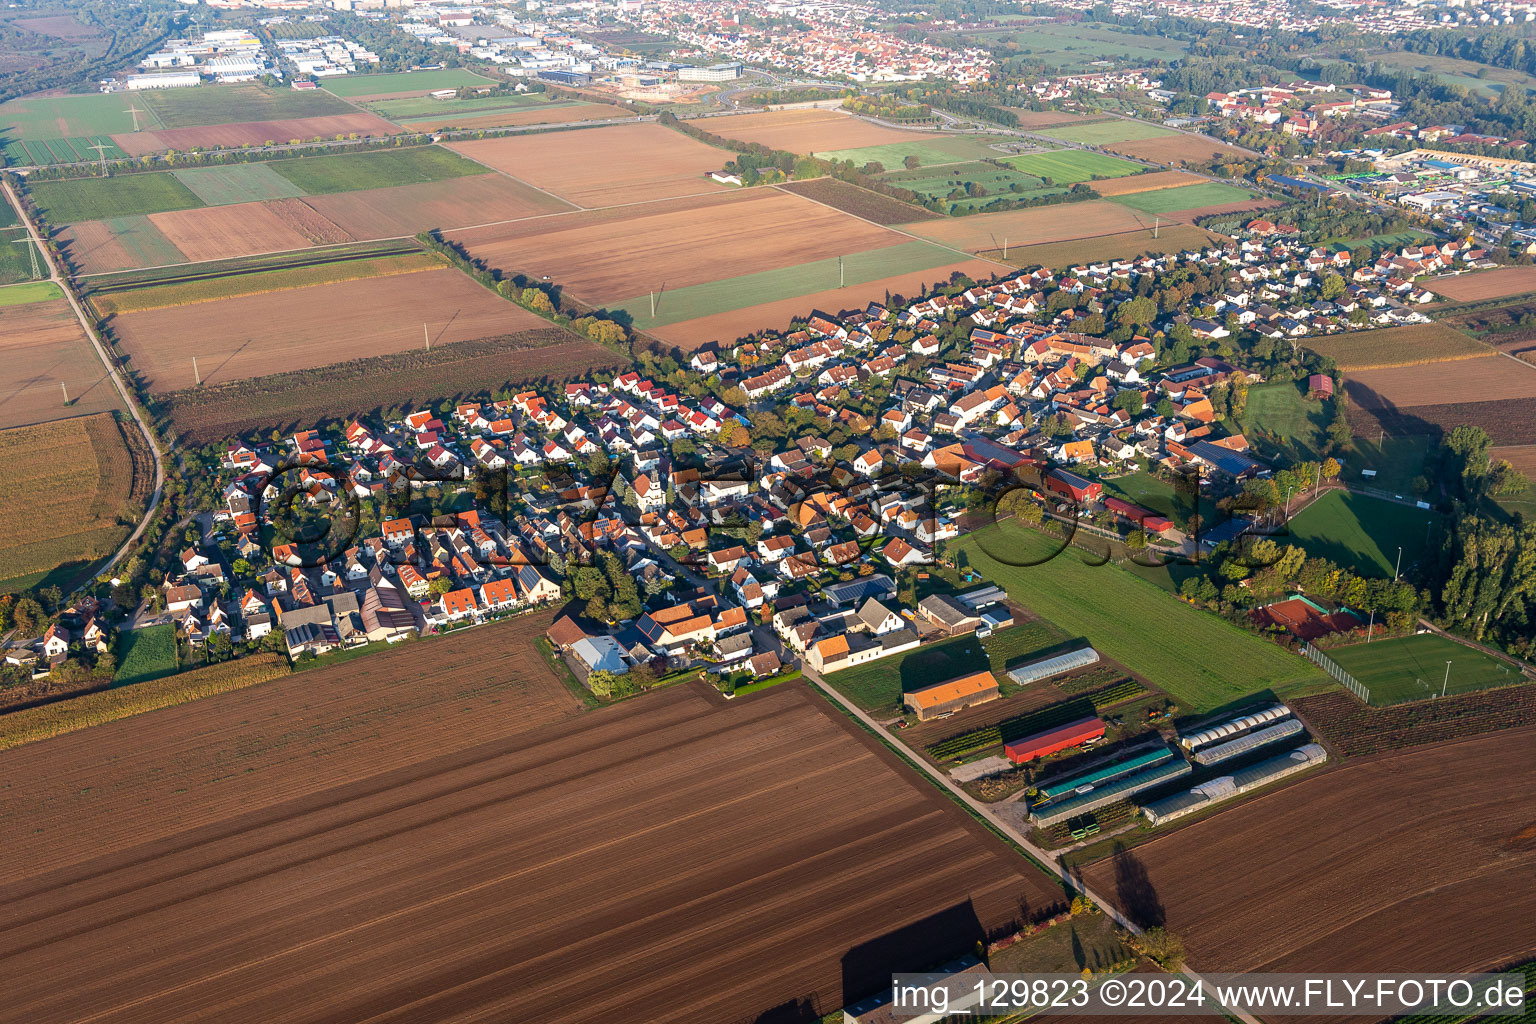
1052	740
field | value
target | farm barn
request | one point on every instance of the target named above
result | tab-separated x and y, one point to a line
951	695
1051	740
1045	668
1228	786
1149	521
1070	485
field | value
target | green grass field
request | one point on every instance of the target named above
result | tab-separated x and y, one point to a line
878	685
77	199
425	108
1156	494
929	150
29	292
19	259
787	283
1185	197
353	86
1078	46
1363	533
145	654
232	104
1069	166
1483	79
54	117
1396	239
1201	661
1102	132
237	183
1408	668
350	172
42	152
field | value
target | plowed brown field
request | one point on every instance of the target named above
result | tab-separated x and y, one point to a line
1485	284
658	245
1145	183
1174	149
307	327
253	133
1480	379
1047	118
222	232
309	222
518	118
727	327
1399	862
626	163
42	345
409	209
807	131
1029	227
667	859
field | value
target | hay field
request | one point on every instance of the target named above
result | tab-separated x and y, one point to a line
1489	378
1176	149
1484	284
1028	227
804	131
1069	166
302	328
119	243
1397	346
42	346
658	246
75	199
593	167
1150	182
63	487
220	232
409	209
727	327
228	184
254	133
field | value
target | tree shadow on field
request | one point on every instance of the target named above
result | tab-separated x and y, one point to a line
919	946
1134	891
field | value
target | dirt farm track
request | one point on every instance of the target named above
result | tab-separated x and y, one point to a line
674	858
1415	860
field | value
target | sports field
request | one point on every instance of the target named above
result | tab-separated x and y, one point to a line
1201	660
237	183
1186	197
771	285
1408	668
1363	534
1069	166
77	199
403	83
1117	129
349	172
878	685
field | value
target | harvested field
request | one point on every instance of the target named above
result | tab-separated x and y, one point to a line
1126	244
121	243
806	849
550	113
1027	227
1276	884
659	246
1045	118
222	232
1145	183
309	222
410	209
63	487
1217	209
1521	456
1355	729
1508	421
42	346
302	328
1482	379
591	167
371	385
726	327
1175	149
860	202
253	133
1484	284
1413	345
804	131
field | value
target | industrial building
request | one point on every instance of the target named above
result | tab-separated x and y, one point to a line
714	73
951	695
1228	786
1055	665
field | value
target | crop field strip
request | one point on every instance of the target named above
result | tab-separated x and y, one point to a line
929	149
860	202
403	83
517	117
988	231
1484	284
806	131
1187	197
237	183
1412	345
63	486
821	875
1328	874
1485	378
240	134
1148	181
1174	149
1198	659
1356	729
1099	133
117	243
42	346
1069	166
1119	245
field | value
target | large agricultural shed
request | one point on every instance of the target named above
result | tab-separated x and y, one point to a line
1119	789
1239	782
